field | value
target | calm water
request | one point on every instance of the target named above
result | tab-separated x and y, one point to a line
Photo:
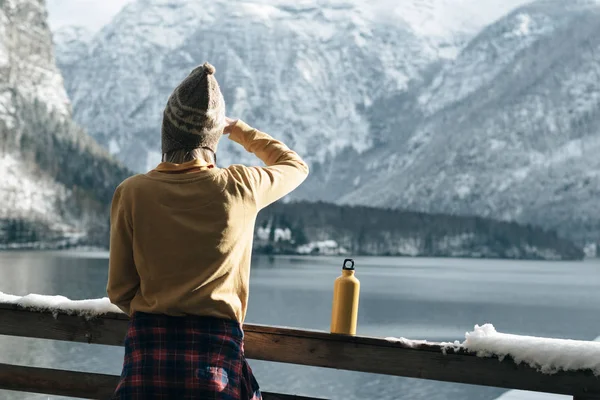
433	299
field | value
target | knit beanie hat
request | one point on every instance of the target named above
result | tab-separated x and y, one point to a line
195	113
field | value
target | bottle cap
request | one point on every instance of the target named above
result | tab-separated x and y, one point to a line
348	264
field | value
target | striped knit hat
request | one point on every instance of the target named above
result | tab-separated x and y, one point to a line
195	113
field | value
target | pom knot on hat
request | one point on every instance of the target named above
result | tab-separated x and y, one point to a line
195	113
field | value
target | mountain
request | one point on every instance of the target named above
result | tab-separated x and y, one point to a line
307	71
278	66
56	181
329	229
482	108
509	129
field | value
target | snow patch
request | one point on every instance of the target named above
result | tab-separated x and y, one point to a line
521	173
548	356
55	304
463	191
24	194
410	247
496	144
279	235
407	342
3	55
27	194
525	395
284	235
264	11
545	254
464	185
113	146
524	25
325	247
263	233
591	250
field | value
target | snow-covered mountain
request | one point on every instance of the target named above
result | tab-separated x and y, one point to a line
279	67
56	181
468	107
308	71
509	129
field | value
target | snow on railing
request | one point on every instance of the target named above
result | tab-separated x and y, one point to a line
486	357
547	356
55	304
525	395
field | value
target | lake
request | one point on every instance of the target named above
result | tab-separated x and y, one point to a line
415	298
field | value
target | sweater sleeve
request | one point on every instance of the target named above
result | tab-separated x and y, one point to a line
123	279
284	170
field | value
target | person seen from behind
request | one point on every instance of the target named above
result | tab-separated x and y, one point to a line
180	247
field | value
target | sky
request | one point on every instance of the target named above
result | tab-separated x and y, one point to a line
90	13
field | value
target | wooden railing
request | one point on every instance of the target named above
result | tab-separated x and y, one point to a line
293	346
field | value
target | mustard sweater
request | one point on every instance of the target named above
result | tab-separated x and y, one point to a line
181	235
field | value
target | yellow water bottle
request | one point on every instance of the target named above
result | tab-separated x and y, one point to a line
346	290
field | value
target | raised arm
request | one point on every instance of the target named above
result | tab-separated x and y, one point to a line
284	170
123	279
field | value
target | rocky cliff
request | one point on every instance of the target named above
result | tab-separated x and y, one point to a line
56	181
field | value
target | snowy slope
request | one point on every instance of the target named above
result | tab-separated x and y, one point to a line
25	195
56	181
306	71
487	56
26	65
510	129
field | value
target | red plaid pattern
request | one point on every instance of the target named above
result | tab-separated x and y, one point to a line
185	358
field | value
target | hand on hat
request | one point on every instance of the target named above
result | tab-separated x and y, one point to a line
229	123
